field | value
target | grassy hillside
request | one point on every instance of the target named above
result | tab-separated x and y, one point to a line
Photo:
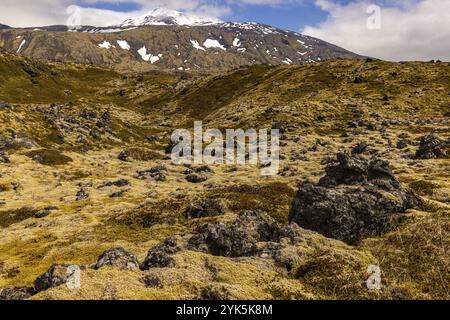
64	126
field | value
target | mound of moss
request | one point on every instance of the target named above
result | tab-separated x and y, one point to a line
49	157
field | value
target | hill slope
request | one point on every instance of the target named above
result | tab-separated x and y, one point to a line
84	170
170	42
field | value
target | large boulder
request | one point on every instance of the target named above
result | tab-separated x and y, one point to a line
242	238
432	147
356	199
118	258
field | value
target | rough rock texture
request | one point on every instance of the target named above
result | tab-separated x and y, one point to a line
238	240
252	234
4	157
17	293
432	147
118	258
205	208
356	199
197	177
161	255
55	276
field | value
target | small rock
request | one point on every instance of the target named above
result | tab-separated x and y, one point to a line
358	80
204	169
104	120
3	104
118	183
42	214
17	293
4	157
161	255
156	173
124	155
215	292
197	177
431	147
152	282
152	138
118	194
402	144
282	126
82	195
56	276
118	258
205	208
361	147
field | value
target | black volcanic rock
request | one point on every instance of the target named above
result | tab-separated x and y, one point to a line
356	199
205	208
17	293
432	147
56	276
117	258
161	256
238	240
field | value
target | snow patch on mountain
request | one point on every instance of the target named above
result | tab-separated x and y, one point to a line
21	45
236	42
105	45
197	45
209	43
123	44
148	56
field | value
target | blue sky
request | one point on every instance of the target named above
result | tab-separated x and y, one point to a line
293	16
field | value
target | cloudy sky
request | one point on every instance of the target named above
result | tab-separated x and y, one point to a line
386	29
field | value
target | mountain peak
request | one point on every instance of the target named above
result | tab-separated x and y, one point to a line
162	16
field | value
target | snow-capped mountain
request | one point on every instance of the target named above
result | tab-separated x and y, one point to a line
170	40
161	16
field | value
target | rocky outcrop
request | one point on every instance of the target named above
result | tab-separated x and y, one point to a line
56	276
356	199
205	208
118	258
238	240
161	256
158	173
253	233
17	293
431	147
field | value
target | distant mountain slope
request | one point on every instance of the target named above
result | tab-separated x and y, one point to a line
4	26
170	40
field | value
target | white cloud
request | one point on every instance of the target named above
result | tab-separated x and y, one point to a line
410	30
26	13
